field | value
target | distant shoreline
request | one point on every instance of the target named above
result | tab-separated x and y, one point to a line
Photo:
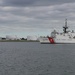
18	41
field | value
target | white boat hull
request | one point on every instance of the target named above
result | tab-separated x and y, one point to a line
44	40
65	41
56	41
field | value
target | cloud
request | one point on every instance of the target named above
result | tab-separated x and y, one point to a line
34	2
35	15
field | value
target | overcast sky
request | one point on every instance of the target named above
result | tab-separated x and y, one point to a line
35	17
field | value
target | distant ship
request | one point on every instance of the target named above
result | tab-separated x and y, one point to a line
59	38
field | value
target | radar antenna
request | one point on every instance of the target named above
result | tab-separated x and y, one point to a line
65	27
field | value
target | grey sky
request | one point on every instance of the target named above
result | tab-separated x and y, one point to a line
27	17
34	2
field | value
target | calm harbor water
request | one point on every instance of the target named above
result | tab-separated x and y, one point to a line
33	58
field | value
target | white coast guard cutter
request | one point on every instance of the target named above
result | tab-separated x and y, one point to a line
64	37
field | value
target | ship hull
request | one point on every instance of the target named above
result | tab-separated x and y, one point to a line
44	40
49	40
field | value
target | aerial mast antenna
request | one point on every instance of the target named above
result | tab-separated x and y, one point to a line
65	27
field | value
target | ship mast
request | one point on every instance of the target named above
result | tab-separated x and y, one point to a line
65	27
